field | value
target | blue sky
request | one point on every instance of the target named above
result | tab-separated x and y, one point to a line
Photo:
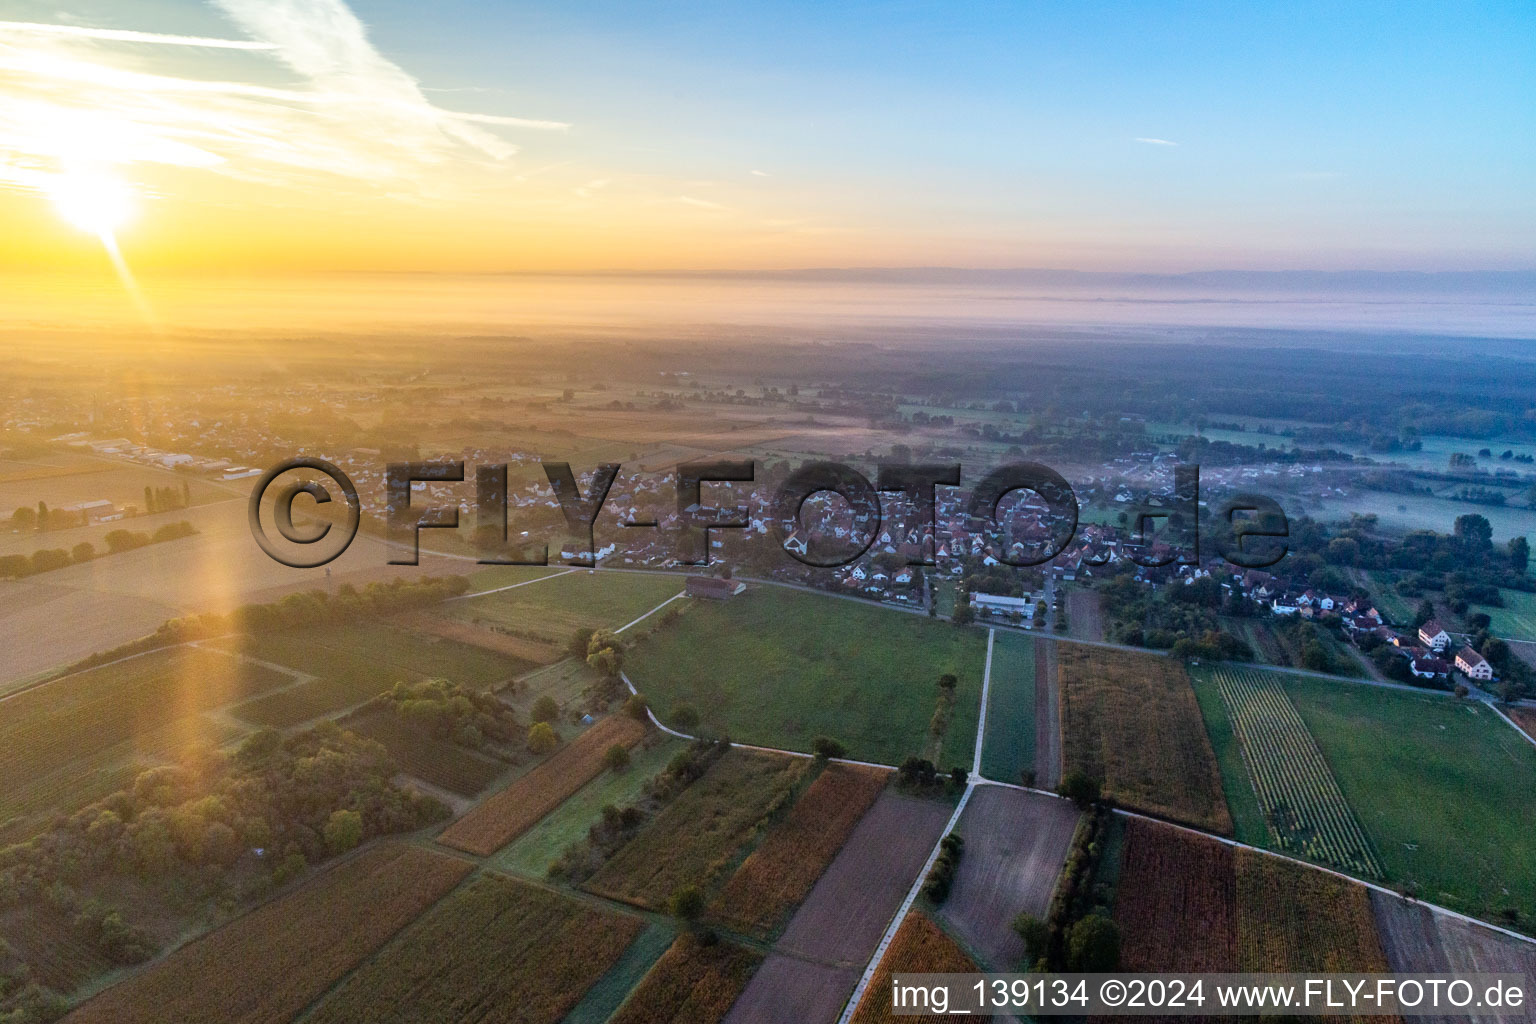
1302	135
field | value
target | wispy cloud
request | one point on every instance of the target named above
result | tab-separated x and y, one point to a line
760	174
317	101
1156	142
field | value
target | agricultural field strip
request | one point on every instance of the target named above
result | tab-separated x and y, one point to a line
509	586
986	692
29	687
1288	770
1373	886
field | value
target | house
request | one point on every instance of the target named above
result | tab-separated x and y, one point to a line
1429	667
1473	665
713	587
1434	636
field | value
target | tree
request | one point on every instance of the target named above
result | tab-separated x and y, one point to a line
83	552
1036	935
827	747
1519	553
343	831
1093	945
545	709
1081	789
948	682
685	717
1474	530
686	903
616	757
542	738
1425	613
636	707
580	641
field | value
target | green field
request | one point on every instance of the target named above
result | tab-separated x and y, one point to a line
779	667
1517	619
554	609
1443	787
535	849
1394	607
427	757
356	661
1009	749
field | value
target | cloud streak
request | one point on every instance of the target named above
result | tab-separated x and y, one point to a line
1155	142
319	103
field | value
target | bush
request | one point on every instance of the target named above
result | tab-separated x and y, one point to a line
546	710
1093	945
636	707
542	738
1036	935
343	831
826	746
616	757
686	903
1081	789
684	717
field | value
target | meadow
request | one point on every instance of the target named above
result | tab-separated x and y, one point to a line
548	613
1132	722
1516	620
419	753
496	951
356	661
1008	749
694	840
778	668
1443	788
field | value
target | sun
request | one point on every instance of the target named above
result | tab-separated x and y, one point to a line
93	202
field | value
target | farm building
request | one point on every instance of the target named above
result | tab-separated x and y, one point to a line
1006	605
1473	665
713	587
1434	636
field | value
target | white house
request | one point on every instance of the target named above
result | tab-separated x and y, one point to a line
1434	636
1473	665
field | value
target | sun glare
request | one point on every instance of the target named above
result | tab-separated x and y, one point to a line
92	202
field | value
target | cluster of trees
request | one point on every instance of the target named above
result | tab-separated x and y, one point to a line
918	774
204	827
1078	933
1182	618
312	607
167	499
941	877
451	711
117	541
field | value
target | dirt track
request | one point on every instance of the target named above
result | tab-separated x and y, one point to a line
1047	716
1015	844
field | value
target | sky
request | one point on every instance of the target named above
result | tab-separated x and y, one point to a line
482	136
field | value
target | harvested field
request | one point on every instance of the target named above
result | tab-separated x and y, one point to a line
1306	812
776	877
1291	918
419	753
497	951
696	837
691	984
787	989
1177	901
1085	618
265	967
1048	753
511	812
919	946
845	915
1410	935
546	614
1008	750
1132	721
1470	949
1015	845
